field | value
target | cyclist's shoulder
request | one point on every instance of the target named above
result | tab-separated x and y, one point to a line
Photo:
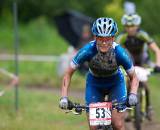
90	45
143	35
142	32
123	33
88	49
118	48
121	37
120	51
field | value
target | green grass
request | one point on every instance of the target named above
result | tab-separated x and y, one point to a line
154	84
38	110
40	74
40	38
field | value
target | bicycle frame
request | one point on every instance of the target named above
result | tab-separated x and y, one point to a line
140	108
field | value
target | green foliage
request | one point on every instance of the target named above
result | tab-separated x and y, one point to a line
94	8
31	9
36	37
157	39
115	10
149	9
40	38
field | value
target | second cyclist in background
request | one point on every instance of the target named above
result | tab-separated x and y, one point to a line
137	42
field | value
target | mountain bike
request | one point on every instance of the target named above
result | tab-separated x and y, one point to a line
140	110
99	113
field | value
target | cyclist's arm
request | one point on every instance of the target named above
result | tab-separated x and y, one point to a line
66	80
134	83
124	59
13	77
82	56
153	46
121	38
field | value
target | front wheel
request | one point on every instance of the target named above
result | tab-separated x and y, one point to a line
108	127
137	114
137	117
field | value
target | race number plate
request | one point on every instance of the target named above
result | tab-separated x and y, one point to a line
100	113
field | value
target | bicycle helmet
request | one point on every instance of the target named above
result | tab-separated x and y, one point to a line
104	27
131	19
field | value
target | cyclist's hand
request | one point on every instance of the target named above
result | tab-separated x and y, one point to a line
132	99
63	104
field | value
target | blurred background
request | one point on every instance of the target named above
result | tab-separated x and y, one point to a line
48	32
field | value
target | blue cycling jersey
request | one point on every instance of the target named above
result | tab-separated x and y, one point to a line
103	64
105	77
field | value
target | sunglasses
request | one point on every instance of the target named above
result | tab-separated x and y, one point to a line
104	39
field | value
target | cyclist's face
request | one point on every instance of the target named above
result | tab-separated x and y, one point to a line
131	30
104	43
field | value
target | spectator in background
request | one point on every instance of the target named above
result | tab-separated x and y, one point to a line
14	80
65	58
86	36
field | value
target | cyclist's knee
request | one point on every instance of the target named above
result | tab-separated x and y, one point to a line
118	125
117	120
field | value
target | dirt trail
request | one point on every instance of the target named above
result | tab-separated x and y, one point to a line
145	126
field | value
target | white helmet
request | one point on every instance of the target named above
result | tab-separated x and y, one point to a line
104	27
131	19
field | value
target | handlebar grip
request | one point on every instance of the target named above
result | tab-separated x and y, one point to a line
78	110
70	105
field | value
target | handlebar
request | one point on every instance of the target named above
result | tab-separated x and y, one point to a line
76	108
